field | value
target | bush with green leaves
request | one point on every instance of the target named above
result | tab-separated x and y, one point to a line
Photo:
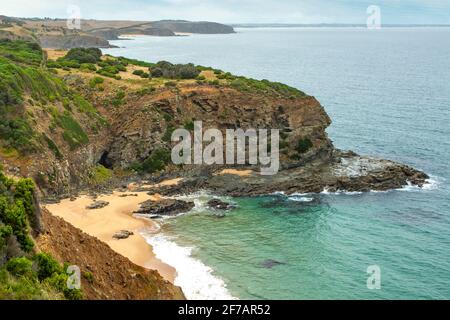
135	62
157	161
17	209
95	81
88	67
303	145
101	174
20	267
25	275
138	72
174	71
53	147
83	55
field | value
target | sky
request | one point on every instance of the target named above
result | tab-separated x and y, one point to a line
238	11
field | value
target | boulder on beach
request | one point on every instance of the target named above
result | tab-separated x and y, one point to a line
97	205
122	234
128	195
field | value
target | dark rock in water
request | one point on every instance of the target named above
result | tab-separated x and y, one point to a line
270	263
97	205
122	234
164	207
220	205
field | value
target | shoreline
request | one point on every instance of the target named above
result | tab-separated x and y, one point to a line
104	222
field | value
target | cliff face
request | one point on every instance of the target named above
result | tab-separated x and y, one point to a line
201	27
113	276
53	33
142	124
71	123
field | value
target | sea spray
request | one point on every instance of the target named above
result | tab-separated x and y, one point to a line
195	278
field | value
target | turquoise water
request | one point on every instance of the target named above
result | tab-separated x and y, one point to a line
388	95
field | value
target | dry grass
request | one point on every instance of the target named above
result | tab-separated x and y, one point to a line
54	54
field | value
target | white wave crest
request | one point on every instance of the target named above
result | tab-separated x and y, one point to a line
194	277
300	199
430	184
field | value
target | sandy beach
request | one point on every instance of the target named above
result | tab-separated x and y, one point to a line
103	223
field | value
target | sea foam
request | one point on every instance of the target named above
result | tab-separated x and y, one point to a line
193	276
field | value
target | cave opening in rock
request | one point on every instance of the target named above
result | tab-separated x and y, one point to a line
105	160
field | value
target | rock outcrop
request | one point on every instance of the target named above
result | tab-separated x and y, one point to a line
164	207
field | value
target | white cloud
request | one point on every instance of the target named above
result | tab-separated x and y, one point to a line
287	11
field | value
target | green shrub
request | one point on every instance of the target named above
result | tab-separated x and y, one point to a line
69	64
88	67
16	209
189	125
84	55
303	145
157	72
101	174
53	64
157	161
138	72
24	288
170	84
20	267
5	232
46	266
118	99
52	146
59	282
96	81
135	62
88	276
179	71
263	86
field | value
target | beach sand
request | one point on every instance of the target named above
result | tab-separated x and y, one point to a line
103	223
241	173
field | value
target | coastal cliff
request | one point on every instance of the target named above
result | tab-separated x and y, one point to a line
54	33
80	121
99	127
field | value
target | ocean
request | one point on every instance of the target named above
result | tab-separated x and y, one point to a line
387	92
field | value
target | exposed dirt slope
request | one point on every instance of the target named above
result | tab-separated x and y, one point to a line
113	276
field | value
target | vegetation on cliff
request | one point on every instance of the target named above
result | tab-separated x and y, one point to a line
55	103
28	88
25	274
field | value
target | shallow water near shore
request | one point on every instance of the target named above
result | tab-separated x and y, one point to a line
388	96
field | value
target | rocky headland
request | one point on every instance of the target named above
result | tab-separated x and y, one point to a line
82	122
